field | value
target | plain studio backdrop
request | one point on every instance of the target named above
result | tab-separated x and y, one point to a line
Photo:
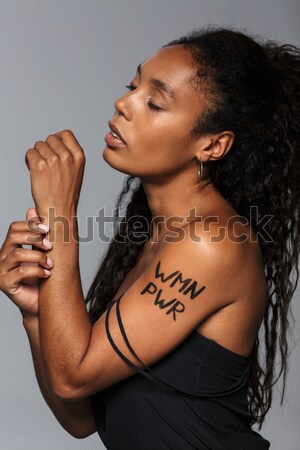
63	63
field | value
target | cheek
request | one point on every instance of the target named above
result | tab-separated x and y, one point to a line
164	131
174	137
166	151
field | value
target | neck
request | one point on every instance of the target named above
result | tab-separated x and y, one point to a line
177	202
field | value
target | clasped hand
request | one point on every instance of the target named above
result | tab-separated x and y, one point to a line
56	171
56	168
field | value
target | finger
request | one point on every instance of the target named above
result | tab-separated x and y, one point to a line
69	139
60	149
18	238
32	228
26	257
35	222
31	212
32	157
13	237
15	277
56	143
43	149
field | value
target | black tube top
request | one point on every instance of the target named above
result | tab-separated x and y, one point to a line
193	398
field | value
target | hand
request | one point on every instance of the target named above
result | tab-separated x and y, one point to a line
56	170
21	269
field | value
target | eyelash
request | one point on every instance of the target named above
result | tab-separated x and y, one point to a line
149	103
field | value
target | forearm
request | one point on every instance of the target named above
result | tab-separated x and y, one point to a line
76	417
65	327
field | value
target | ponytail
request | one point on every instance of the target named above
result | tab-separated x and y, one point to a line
282	187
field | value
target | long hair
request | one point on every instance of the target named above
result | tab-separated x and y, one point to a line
253	87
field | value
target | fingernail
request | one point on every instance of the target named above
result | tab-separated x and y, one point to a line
50	262
43	228
47	244
47	272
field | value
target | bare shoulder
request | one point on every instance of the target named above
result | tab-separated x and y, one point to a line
238	282
231	249
217	242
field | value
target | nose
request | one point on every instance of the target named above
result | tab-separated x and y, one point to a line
122	107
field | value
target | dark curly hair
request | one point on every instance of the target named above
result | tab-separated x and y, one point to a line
254	90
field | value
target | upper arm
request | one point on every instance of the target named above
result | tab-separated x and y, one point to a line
184	284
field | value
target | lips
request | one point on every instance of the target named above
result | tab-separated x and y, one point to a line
115	132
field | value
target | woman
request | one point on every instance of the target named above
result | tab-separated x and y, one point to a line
168	354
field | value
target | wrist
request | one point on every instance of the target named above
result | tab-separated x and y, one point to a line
29	319
63	227
53	215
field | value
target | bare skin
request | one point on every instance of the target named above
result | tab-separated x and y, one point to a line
218	288
20	282
243	331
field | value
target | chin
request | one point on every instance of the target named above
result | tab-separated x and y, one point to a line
108	156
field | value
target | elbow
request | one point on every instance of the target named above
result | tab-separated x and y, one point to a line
69	386
81	434
80	430
66	390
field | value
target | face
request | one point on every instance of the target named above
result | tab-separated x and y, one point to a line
155	117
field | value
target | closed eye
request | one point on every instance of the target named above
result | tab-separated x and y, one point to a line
130	87
153	106
149	103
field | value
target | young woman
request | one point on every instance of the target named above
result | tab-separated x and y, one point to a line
168	353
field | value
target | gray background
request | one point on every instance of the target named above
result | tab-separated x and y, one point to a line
63	63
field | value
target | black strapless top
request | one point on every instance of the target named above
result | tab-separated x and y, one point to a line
193	398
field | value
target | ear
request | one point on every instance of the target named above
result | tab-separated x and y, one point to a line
216	146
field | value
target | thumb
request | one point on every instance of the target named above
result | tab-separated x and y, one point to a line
32	218
32	215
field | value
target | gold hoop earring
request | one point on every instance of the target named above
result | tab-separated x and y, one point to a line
200	171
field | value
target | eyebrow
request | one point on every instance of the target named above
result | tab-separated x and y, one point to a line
161	85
